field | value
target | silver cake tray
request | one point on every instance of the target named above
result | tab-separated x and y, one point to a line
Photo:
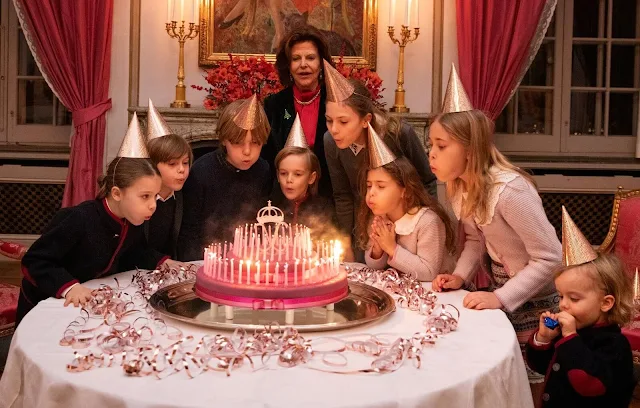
364	304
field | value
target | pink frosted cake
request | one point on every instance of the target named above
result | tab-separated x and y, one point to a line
272	265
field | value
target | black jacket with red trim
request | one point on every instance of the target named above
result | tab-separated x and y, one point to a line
593	368
81	243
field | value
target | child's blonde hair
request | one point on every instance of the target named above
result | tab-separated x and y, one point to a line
229	131
170	147
474	130
313	164
608	273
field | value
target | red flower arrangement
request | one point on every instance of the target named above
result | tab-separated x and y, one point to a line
239	78
364	74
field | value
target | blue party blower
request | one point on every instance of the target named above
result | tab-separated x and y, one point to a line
551	323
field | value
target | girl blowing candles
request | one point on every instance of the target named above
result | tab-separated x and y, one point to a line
97	237
349	112
587	359
172	155
298	171
410	230
501	213
228	186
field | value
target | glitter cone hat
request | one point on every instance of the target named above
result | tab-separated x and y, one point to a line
455	98
338	87
296	135
156	125
576	250
379	152
133	146
247	117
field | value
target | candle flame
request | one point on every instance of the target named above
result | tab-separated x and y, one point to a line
337	249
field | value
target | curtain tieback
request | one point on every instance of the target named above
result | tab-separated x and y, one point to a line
85	115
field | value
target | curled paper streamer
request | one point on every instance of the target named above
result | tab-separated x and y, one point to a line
116	328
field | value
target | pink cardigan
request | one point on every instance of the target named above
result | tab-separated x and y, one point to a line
522	239
421	251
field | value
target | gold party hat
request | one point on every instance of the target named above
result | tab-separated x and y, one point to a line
576	250
156	125
247	116
379	152
133	145
296	135
338	87
455	99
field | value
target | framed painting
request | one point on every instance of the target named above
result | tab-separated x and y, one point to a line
255	27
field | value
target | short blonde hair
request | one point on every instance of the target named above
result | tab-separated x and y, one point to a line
608	273
229	131
313	164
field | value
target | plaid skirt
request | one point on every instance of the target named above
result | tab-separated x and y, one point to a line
526	318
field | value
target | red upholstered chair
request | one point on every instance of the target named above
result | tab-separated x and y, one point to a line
8	300
623	239
12	250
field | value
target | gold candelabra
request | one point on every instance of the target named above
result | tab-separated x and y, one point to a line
182	34
405	38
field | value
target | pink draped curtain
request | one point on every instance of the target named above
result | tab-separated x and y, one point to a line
71	43
497	41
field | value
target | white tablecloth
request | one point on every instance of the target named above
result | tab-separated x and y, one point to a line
479	365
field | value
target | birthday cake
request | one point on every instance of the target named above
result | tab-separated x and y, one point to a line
272	265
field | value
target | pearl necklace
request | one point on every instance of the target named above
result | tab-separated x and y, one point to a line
309	101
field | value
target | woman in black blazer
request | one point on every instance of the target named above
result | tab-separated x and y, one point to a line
299	62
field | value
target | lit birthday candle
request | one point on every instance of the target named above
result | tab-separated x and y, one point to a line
636	286
248	272
239	273
251	245
295	245
286	274
257	272
267	273
304	270
272	241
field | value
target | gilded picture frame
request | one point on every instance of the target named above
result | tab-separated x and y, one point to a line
248	27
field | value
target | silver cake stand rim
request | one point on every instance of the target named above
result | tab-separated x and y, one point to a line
357	292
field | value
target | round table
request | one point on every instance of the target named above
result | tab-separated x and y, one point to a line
479	365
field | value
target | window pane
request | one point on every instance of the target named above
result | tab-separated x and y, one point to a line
504	122
541	70
35	102
621	109
26	64
63	116
585	64
586	15
535	112
584	120
623	66
624	19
